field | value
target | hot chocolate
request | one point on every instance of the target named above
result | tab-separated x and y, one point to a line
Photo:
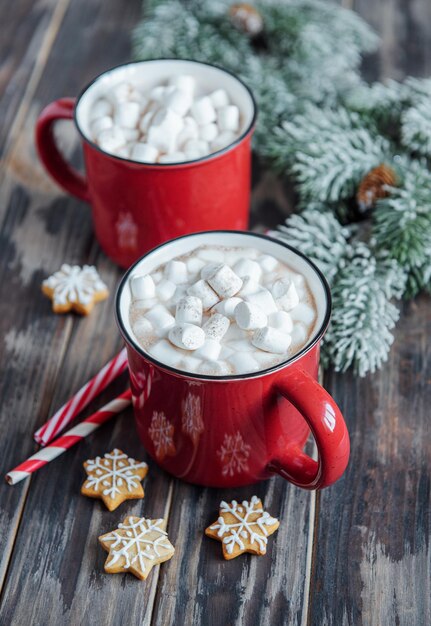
222	311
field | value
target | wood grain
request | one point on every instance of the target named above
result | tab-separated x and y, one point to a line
372	556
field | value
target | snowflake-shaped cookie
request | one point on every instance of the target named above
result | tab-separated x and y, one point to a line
114	478
75	288
243	527
136	546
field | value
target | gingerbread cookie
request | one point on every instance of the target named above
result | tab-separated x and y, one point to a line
75	288
137	546
114	478
243	528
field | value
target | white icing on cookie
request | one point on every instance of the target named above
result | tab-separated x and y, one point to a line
73	283
244	528
139	540
112	472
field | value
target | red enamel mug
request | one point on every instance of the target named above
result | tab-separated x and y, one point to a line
137	206
235	430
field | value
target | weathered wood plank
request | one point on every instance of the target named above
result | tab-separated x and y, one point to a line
372	559
28	30
405	29
200	587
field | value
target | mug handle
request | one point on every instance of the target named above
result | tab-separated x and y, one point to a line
61	171
328	427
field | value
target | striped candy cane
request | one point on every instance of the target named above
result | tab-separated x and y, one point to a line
81	399
69	439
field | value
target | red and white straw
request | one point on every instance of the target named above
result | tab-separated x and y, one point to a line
69	439
81	399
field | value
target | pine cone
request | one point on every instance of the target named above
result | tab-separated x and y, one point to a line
373	186
246	18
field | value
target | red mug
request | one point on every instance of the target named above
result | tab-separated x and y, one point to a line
137	206
234	430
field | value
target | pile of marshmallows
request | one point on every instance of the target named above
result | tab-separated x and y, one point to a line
224	316
170	124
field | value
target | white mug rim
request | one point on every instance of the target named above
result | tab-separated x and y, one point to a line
249	129
130	341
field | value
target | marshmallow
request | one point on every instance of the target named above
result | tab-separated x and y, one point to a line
303	313
120	92
265	359
263	299
159	93
219	98
190	364
157	276
225	282
144	305
187	336
234	333
165	289
268	263
189	311
173	157
299	334
281	320
227	307
284	292
243	362
224	139
100	124
225	352
111	139
208	132
184	82
100	108
142	287
179	101
203	111
228	118
211	254
196	148
180	293
209	269
165	126
142	326
190	131
247	267
160	318
144	153
164	352
242	345
249	316
127	114
146	120
176	271
214	368
194	265
202	290
249	285
131	135
124	152
216	326
210	350
271	340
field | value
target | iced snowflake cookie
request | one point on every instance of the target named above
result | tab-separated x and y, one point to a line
243	527
75	288
114	478
136	546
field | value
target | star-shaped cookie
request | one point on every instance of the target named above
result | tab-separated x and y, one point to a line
75	288
136	546
114	478
243	527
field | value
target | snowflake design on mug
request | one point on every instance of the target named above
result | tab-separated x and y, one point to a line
233	454
142	385
161	433
191	417
127	231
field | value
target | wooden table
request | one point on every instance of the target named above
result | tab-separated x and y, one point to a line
357	553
